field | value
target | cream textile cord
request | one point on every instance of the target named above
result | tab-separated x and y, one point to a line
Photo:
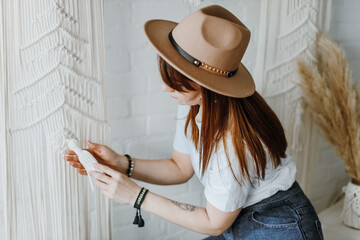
85	158
52	89
288	29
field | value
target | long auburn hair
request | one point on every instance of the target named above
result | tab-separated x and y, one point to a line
249	120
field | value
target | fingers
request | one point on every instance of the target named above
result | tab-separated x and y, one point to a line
91	144
74	162
101	176
72	158
77	165
106	169
82	171
94	147
70	152
100	184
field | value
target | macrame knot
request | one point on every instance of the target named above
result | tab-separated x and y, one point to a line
85	158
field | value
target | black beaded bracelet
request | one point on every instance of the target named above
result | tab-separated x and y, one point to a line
131	165
139	200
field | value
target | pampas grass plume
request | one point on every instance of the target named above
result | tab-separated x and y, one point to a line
334	101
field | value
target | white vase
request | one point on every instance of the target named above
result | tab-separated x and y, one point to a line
351	210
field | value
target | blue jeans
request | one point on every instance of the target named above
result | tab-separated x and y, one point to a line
285	215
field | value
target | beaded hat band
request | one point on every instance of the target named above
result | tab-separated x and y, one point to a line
207	47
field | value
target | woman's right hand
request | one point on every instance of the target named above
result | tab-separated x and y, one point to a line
103	155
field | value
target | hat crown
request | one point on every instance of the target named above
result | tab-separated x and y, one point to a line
207	47
214	36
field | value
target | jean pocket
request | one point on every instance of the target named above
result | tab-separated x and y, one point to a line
267	220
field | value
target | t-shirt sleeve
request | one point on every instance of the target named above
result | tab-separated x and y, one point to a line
181	142
221	188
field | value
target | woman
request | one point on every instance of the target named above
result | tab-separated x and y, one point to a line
230	138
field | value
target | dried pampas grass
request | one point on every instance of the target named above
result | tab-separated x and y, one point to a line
334	101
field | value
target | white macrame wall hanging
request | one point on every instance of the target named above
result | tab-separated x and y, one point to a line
52	89
288	30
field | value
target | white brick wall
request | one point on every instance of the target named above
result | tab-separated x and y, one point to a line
142	116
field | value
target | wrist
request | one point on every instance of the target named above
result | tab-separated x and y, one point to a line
142	192
137	204
123	164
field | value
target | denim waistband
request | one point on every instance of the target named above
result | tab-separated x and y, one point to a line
293	196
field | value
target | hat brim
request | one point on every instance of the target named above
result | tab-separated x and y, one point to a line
239	85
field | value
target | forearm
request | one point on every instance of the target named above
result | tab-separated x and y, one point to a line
186	215
161	172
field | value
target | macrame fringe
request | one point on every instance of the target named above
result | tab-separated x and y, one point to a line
293	34
55	91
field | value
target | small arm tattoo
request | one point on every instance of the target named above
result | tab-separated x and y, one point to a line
184	206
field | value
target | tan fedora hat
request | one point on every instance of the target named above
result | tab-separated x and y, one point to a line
207	46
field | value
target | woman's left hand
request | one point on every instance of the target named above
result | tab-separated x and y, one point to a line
115	185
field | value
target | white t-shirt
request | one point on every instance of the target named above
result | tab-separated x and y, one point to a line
221	189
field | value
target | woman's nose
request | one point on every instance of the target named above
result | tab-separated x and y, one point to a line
166	88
